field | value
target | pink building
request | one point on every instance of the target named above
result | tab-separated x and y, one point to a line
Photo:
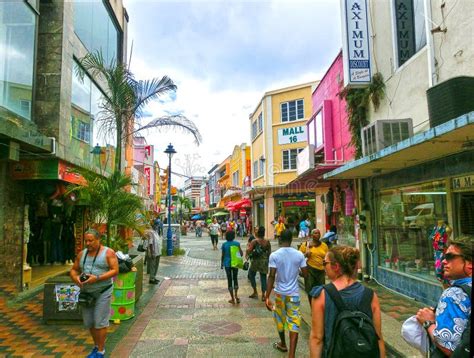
328	128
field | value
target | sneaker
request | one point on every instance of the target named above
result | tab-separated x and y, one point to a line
93	353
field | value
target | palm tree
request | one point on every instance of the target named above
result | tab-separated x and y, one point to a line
108	200
124	101
183	203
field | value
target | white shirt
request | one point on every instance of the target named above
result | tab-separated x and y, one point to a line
287	261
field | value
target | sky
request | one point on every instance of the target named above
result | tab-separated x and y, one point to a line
223	56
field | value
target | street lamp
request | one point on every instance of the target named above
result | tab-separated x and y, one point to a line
169	236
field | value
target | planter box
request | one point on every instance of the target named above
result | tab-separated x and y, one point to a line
450	99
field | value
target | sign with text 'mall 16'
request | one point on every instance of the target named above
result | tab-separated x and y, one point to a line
356	43
292	135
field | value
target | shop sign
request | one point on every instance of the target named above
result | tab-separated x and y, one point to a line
465	182
67	173
405	27
292	135
148	180
34	169
305	159
356	53
296	203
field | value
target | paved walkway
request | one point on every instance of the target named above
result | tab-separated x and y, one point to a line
189	316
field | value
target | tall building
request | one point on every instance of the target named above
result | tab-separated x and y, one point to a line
278	134
143	163
48	126
192	191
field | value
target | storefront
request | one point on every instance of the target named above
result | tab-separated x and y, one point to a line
54	224
294	209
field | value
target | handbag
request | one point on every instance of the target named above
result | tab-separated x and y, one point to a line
415	335
141	247
246	265
236	260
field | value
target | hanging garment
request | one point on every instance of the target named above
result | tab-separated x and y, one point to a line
329	201
337	201
439	240
349	207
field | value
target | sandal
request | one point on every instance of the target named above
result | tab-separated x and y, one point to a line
253	295
231	301
277	346
237	300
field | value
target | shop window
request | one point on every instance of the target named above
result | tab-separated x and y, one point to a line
235	178
406	218
254	129
95	28
261	163
17	44
410	28
255	169
292	110
260	123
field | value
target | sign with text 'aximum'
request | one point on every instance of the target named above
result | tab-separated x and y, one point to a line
292	135
356	38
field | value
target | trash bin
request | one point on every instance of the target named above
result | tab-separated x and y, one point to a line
123	296
53	311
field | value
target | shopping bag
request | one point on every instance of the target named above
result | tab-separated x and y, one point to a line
415	335
236	259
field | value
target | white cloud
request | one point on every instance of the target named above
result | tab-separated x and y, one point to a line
223	56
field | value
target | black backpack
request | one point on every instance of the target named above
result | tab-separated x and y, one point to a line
353	333
257	251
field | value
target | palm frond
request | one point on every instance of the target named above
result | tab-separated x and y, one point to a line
146	91
176	122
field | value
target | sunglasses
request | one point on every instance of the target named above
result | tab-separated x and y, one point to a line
449	256
326	262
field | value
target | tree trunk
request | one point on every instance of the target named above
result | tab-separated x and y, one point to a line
118	149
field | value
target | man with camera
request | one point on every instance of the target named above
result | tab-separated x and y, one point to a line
92	272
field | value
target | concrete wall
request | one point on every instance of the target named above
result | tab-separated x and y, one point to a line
451	54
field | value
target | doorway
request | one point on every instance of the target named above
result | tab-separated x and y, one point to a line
465	213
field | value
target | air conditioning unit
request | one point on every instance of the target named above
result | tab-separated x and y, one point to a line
385	132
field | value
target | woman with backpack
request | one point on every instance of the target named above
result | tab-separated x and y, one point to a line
259	251
346	318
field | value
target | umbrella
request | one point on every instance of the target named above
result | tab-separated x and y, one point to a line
221	213
196	217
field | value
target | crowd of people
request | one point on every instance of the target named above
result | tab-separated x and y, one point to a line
346	315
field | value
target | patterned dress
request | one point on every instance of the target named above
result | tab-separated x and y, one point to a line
439	238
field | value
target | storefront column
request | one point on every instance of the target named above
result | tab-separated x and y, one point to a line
269	203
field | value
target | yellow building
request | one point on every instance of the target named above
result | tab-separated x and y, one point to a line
278	134
223	181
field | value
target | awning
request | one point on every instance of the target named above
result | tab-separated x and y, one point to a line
196	217
311	178
446	139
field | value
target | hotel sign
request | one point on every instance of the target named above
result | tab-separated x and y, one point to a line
356	47
405	30
292	135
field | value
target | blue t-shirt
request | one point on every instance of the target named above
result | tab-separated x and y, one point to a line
303	225
226	250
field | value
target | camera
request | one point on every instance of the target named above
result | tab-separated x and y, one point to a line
84	277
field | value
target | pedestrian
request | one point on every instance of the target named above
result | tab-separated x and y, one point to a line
153	255
279	227
303	229
92	272
231	272
314	251
330	237
198	228
285	265
259	251
449	327
341	264
223	228
214	233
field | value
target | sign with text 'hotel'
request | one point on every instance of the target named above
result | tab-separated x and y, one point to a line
356	38
292	135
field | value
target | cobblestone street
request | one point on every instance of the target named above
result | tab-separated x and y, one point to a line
189	315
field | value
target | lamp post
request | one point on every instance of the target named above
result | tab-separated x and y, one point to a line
97	150
169	236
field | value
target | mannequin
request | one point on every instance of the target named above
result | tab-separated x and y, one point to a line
337	200
439	238
26	237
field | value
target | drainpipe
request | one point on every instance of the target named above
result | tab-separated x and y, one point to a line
432	75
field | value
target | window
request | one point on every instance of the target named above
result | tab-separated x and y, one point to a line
254	129
261	165
318	121
81	127
17	45
293	110
289	158
312	132
235	178
406	217
95	28
260	123
255	169
410	28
